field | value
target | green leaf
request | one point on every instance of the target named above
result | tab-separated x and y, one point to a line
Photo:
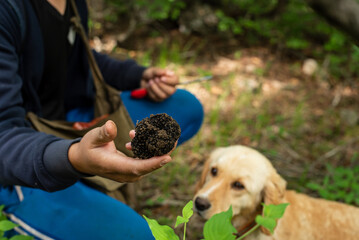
266	222
161	232
7	225
219	227
326	180
180	220
274	211
323	193
187	211
349	198
21	237
313	186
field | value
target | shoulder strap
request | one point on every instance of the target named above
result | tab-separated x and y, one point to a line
103	99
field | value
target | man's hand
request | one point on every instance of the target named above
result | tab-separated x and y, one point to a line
96	154
160	83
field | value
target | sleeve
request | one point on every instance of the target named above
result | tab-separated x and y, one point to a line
27	157
123	75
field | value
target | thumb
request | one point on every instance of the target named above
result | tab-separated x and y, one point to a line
153	72
159	71
104	134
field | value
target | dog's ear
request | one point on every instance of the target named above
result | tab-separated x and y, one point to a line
202	180
274	191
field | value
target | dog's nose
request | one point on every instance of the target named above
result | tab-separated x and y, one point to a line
202	204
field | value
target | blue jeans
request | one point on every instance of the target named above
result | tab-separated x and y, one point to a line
82	213
78	212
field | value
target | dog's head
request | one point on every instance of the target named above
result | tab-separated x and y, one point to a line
240	177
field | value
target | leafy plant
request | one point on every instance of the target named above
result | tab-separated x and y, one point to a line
6	225
163	232
219	226
187	213
341	184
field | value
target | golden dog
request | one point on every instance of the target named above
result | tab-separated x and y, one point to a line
243	178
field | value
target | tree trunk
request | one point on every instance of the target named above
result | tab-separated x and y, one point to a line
343	14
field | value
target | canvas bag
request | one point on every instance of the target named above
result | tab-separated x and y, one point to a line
107	102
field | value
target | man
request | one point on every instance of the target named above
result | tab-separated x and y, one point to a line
44	69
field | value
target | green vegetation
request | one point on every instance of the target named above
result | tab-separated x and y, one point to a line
219	226
290	27
341	184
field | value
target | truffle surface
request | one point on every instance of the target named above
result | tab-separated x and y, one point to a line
155	136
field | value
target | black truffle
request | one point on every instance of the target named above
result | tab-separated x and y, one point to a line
155	136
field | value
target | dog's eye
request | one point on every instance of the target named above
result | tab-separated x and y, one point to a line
214	171
237	185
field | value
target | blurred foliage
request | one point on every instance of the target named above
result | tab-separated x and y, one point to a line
152	9
341	184
289	26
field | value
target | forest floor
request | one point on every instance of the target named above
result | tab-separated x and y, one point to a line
257	98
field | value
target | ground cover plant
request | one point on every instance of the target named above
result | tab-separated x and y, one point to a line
341	184
219	226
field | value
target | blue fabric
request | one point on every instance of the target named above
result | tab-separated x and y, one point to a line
78	212
182	106
85	114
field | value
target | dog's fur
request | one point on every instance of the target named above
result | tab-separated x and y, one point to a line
243	178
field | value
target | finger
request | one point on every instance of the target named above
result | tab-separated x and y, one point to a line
104	134
125	169
174	148
128	146
132	134
170	73
159	71
153	96
168	90
156	89
145	166
152	72
170	80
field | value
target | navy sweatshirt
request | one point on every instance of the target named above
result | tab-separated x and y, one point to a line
27	157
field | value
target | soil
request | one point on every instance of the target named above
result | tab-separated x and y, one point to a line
155	136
